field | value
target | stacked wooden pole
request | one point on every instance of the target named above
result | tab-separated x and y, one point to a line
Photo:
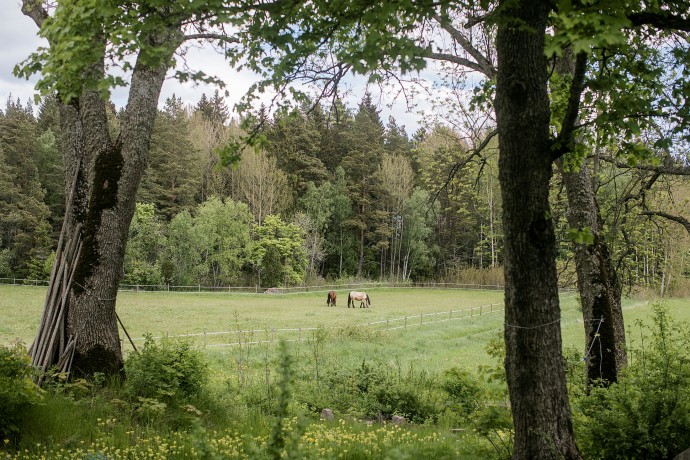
52	349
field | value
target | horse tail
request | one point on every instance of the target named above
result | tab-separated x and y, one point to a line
368	300
349	300
328	299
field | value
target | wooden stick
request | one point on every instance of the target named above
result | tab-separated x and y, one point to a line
126	333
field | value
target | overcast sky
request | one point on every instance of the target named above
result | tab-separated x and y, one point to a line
18	38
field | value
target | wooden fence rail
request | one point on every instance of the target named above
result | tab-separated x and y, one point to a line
298	334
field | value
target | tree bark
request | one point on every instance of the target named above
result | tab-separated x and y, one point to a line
597	281
116	173
534	363
107	174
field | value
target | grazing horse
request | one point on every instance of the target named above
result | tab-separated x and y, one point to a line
330	299
363	298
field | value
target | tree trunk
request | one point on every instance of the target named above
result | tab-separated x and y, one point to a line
117	172
534	361
597	281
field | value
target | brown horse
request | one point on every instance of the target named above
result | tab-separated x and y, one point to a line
363	298
330	299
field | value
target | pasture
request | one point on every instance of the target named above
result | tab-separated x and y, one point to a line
391	357
430	328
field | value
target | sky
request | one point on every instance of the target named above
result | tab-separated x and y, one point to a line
18	36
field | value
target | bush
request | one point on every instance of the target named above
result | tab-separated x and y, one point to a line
166	372
646	414
463	390
373	391
17	391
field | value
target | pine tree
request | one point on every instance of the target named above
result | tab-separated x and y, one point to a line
365	140
295	143
173	175
24	226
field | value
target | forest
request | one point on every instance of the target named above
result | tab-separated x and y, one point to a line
331	194
558	154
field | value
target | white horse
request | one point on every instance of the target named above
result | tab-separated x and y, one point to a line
363	298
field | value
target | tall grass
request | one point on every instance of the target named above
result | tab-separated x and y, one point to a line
365	373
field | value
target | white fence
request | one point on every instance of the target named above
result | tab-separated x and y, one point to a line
298	334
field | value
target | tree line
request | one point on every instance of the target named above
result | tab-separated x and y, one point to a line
558	94
330	194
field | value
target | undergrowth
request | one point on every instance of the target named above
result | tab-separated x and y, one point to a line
178	402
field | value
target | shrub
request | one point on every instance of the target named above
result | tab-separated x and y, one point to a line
374	390
170	372
463	390
17	391
646	414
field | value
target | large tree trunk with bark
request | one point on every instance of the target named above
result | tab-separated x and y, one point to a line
117	168
534	363
108	173
598	284
597	280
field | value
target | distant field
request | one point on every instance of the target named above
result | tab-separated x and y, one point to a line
436	343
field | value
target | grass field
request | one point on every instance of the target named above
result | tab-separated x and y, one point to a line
356	361
411	326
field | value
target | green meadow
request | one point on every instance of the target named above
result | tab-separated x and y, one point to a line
414	351
410	325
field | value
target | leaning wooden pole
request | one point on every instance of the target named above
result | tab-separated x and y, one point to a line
52	348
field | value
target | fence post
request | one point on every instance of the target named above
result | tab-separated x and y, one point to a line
421	318
387	324
480	310
491	308
406	322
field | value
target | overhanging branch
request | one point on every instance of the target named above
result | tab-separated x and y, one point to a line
211	36
661	21
678	219
482	65
458	166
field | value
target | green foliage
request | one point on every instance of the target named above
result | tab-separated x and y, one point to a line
583	26
173	173
39	268
646	414
144	247
164	374
221	241
17	390
279	252
581	235
24	216
5	262
375	391
283	441
462	388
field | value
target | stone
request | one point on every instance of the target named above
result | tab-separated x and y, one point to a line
327	414
398	420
